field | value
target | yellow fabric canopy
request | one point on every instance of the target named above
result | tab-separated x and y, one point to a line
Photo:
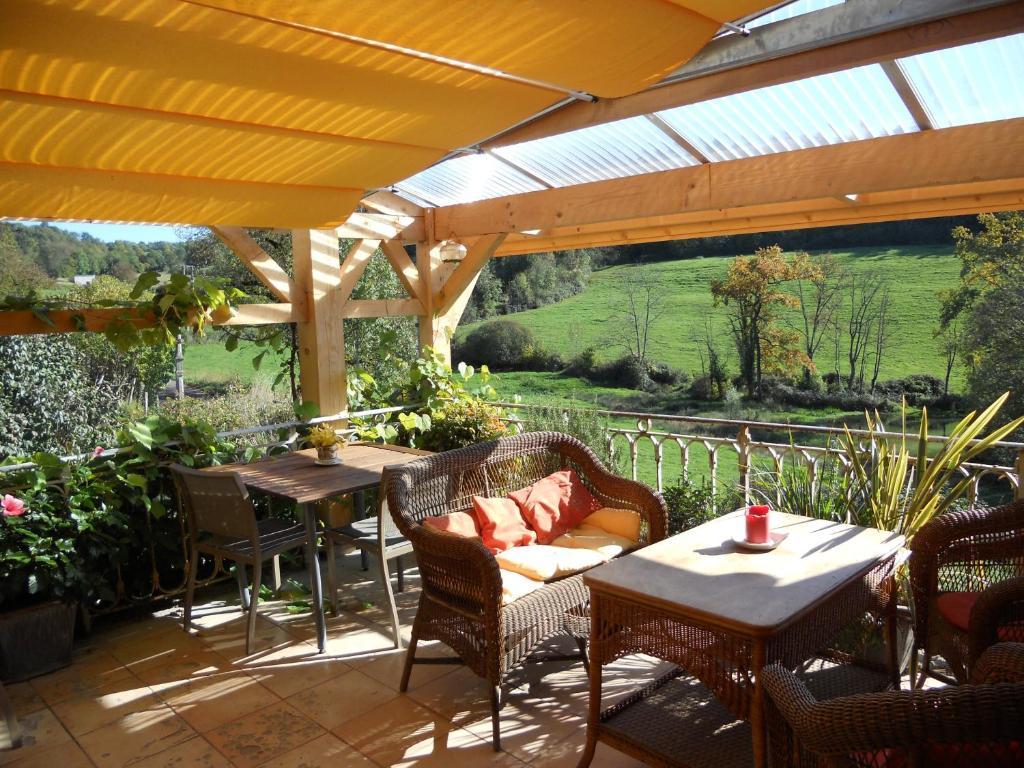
172	111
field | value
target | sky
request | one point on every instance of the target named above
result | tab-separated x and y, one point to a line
135	233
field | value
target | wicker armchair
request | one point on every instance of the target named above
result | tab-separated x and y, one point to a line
979	725
461	601
957	554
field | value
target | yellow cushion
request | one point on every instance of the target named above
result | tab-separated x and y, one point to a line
515	585
544	561
593	538
620	522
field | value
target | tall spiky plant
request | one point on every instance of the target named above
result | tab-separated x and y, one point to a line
894	489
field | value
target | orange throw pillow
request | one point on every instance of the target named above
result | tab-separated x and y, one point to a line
501	524
459	523
555	504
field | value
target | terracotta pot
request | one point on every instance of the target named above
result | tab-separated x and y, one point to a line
328	452
35	640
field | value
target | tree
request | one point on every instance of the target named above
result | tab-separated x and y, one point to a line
951	339
884	326
861	293
712	364
752	291
819	298
19	275
989	302
643	305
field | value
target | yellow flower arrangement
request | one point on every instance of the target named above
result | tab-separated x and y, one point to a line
323	436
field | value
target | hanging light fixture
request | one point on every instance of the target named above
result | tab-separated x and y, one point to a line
452	251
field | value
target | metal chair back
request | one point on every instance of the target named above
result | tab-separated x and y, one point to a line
216	503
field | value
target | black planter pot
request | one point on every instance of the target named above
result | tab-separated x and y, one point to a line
35	640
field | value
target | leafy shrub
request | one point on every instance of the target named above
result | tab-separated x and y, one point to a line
582	364
505	345
463	423
690	504
585	424
47	402
239	407
665	375
794	490
625	371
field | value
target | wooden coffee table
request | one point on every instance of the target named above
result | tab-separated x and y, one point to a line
721	613
296	478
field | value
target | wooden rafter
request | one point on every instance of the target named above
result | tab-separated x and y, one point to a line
258	262
985	152
407	273
354	265
382	226
382	308
466	272
908	95
884	46
389	202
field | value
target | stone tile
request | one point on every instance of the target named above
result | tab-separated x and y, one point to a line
567	755
460	697
531	726
229	640
65	755
325	752
264	735
197	752
292	668
212	702
109	703
41	732
387	667
181	670
89	672
156	648
342	698
391	734
135	736
24	698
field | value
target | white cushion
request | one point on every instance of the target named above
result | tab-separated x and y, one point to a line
595	539
515	585
544	561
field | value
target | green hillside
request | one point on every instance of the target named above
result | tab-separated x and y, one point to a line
917	274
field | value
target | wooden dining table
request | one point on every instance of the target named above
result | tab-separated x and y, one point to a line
297	478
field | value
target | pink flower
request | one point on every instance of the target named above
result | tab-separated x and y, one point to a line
12	507
97	451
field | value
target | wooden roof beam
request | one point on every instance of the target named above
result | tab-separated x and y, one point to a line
755	63
908	95
983	152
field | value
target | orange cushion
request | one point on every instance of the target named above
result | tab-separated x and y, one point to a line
501	524
956	607
459	523
555	504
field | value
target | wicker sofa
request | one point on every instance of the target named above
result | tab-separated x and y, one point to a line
461	600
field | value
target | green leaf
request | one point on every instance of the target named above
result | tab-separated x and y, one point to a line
231	343
146	281
258	360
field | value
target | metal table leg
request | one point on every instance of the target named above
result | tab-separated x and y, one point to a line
359	512
309	511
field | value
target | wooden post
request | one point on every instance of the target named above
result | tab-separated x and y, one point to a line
447	288
322	335
1019	493
743	444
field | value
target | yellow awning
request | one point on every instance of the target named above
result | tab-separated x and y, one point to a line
172	111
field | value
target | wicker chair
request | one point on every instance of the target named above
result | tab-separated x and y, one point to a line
980	724
461	603
977	551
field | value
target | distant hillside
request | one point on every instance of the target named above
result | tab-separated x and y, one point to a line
916	273
64	254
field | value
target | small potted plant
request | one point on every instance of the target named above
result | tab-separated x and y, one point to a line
327	443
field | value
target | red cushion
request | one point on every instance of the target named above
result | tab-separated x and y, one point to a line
555	504
956	607
501	524
459	523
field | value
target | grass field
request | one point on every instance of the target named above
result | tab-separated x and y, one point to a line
591	318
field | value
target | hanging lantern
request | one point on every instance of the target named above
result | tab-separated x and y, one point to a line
452	251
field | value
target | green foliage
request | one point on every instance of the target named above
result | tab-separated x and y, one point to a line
690	504
505	345
47	401
238	407
585	424
897	487
796	491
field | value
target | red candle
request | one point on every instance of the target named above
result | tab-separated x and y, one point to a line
757	524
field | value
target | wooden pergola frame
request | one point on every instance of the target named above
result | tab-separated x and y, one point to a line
933	172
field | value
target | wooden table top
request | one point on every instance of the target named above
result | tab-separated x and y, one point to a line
703	574
295	477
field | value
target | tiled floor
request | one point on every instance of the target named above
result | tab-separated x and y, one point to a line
143	693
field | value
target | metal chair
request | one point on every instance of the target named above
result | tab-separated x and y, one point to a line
222	522
376	536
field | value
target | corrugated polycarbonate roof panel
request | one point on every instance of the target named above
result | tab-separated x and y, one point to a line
609	151
466	179
791	10
828	109
970	83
